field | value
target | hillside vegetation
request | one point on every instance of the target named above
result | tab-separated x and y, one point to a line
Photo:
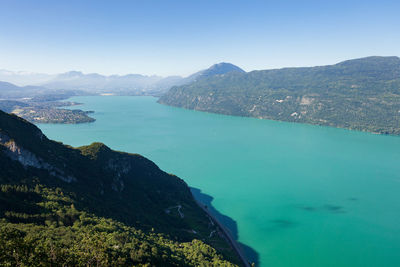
92	206
361	94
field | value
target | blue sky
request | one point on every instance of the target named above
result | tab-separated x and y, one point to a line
181	37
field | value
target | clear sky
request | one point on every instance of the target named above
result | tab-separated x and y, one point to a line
180	37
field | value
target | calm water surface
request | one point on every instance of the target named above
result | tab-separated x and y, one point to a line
301	195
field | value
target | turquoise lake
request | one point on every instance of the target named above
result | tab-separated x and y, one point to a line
301	195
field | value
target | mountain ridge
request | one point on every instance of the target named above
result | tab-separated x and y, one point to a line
122	84
360	94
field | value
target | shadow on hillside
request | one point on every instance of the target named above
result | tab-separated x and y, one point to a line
228	222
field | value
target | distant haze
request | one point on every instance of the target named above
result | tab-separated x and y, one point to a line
136	84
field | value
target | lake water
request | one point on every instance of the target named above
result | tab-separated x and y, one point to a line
300	195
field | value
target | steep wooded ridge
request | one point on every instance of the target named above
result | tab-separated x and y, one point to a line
92	206
360	94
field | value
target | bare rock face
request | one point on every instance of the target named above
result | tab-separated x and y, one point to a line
28	159
25	157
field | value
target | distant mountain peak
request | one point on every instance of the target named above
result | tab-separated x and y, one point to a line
216	69
70	74
221	68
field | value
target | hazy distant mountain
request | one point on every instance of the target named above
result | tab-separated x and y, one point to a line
97	83
12	91
9	90
361	94
23	78
131	84
5	86
93	82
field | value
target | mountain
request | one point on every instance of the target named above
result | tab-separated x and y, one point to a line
11	91
94	206
8	86
94	83
360	94
216	69
131	84
220	68
23	78
39	93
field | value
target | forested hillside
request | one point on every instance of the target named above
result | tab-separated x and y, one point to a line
92	206
361	94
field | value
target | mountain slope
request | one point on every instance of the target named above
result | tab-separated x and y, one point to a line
11	91
95	206
216	69
361	94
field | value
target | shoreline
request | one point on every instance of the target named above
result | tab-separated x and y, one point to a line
234	244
